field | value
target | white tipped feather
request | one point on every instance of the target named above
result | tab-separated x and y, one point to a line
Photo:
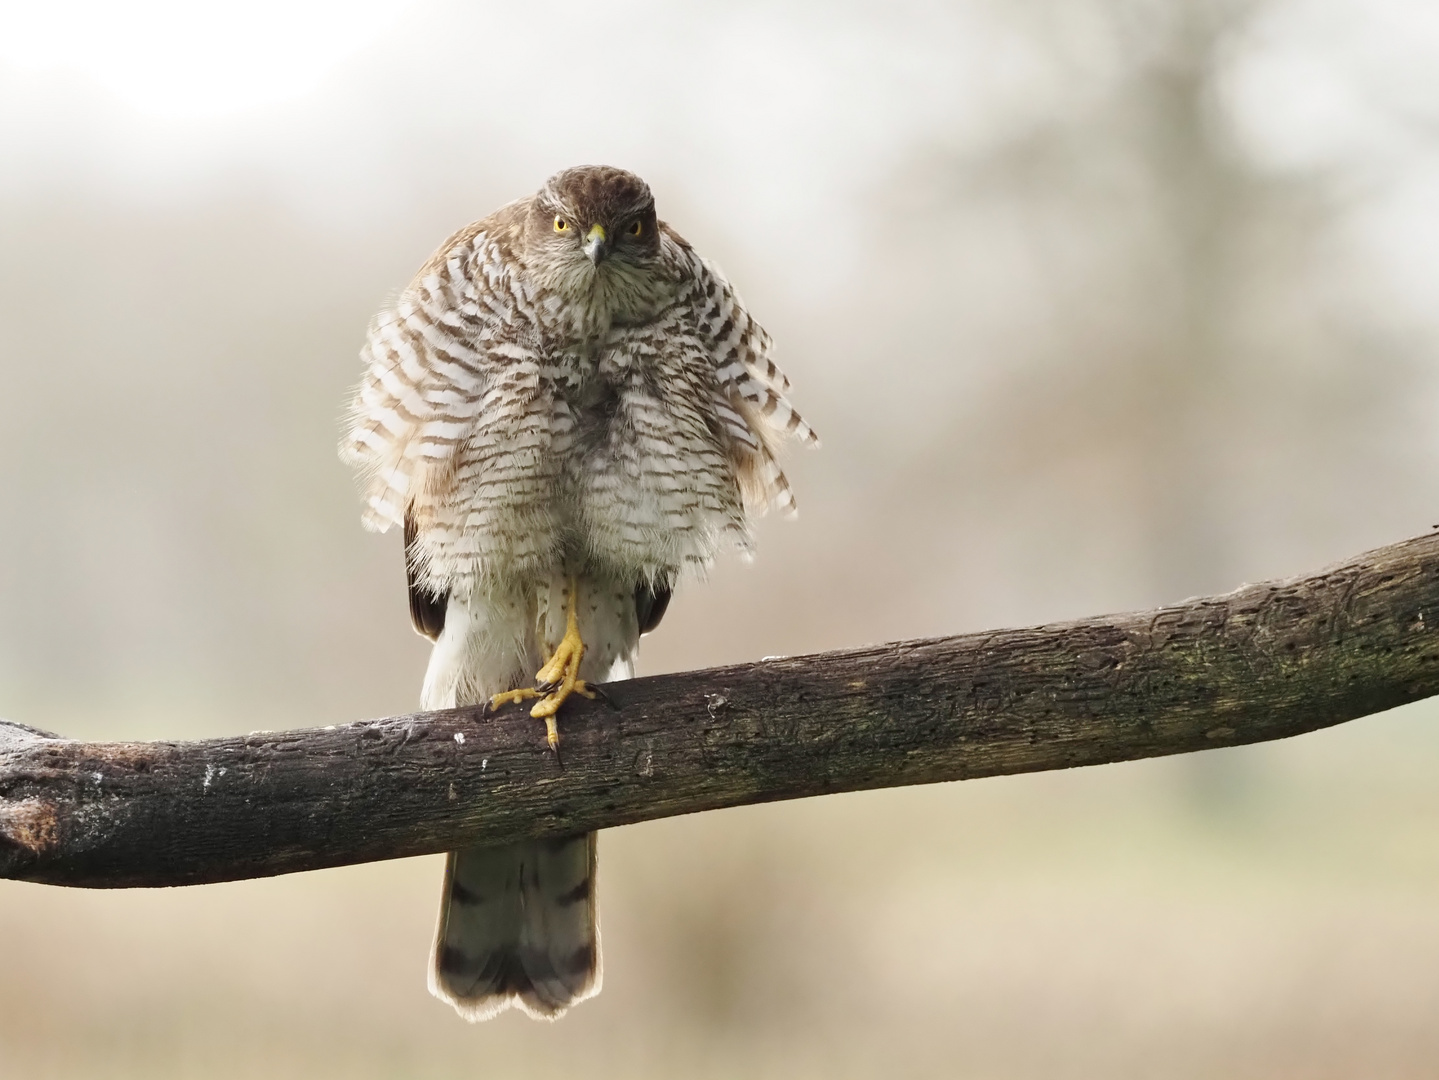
519	928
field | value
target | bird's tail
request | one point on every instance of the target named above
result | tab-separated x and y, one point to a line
518	926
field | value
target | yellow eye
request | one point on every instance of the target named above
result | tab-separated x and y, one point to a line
561	224
635	228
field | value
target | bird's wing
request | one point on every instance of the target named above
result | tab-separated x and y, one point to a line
450	417
750	392
429	360
652	598
427	608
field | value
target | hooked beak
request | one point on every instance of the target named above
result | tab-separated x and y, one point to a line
596	246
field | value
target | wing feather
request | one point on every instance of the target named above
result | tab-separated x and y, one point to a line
750	400
427	608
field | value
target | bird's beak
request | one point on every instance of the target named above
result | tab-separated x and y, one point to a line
595	244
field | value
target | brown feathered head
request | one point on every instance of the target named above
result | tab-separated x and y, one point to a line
593	238
597	213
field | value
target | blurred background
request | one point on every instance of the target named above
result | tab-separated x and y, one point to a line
1097	305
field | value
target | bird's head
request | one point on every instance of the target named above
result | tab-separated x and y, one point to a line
589	222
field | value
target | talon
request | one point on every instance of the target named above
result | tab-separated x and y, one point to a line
561	674
552	701
558	679
553	673
552	736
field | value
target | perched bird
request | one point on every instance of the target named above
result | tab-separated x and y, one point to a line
565	410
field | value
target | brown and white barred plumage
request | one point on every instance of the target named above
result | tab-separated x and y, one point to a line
537	410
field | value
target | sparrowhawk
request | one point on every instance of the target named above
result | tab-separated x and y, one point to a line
565	410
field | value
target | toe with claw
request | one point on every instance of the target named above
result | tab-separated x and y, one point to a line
557	680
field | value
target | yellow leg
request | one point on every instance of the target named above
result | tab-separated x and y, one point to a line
558	679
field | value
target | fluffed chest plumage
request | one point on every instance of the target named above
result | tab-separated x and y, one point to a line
516	425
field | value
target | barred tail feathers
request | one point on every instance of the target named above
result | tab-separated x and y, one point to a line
518	923
518	926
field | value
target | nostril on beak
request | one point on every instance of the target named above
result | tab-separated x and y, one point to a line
596	245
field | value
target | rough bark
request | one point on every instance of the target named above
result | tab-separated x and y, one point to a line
1264	662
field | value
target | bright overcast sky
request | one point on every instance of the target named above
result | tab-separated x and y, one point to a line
755	108
165	58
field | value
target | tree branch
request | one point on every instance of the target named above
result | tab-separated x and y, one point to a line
1264	662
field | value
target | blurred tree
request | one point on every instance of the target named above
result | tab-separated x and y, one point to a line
1184	363
1181	374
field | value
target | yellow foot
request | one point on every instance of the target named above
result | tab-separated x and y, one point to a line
511	697
558	679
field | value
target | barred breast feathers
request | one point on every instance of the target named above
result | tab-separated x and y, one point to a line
471	416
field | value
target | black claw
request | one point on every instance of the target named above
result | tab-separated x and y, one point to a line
599	693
